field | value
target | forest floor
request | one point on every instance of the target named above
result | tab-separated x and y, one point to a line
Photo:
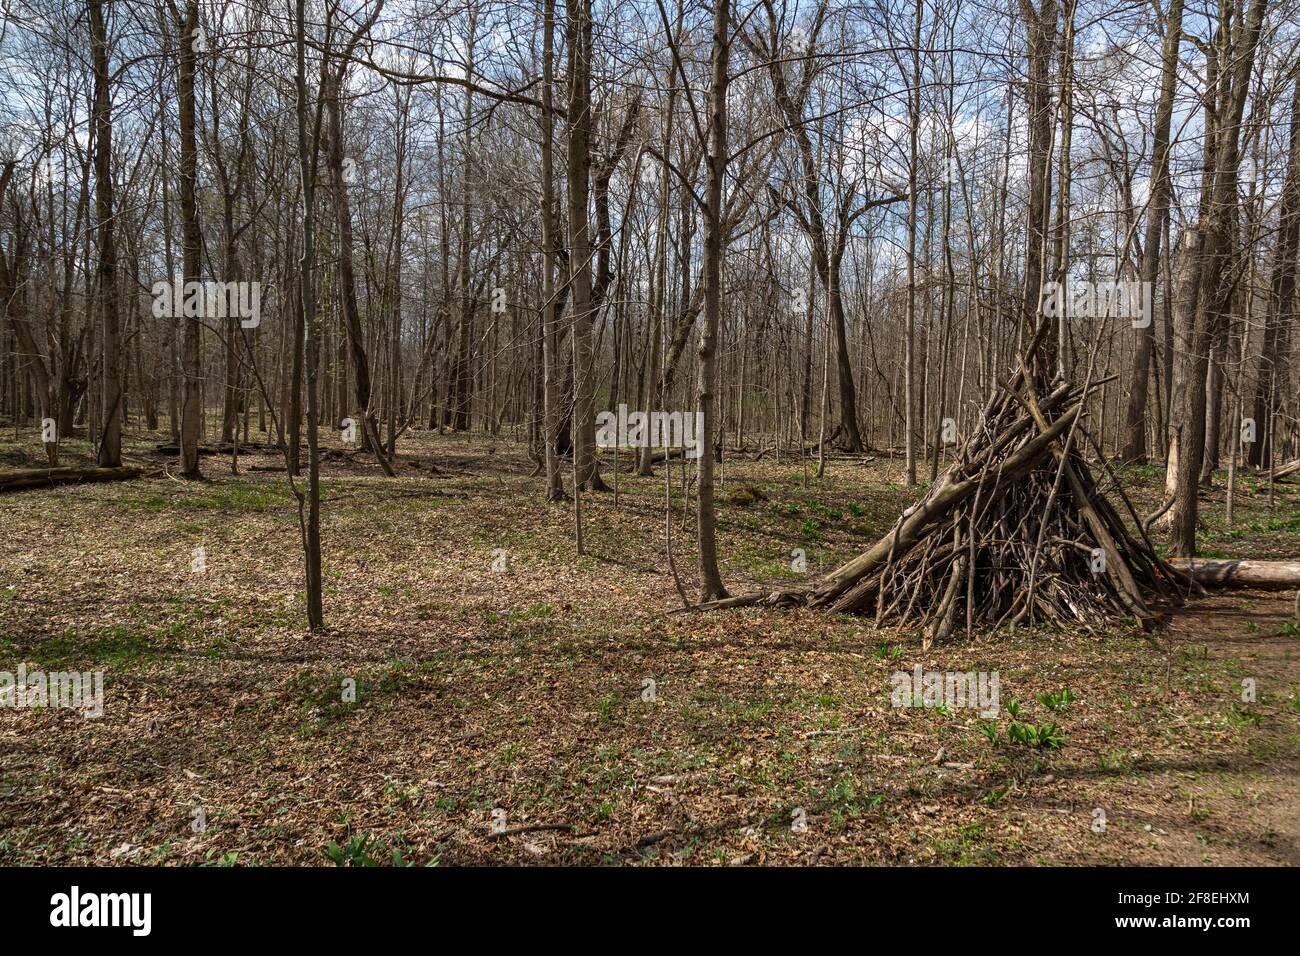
498	673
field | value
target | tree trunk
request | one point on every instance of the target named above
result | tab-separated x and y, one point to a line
1272	369
550	315
347	277
110	437
310	524
1213	242
1041	27
580	252
191	242
1134	445
711	587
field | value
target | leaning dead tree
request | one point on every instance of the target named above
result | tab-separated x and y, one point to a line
1017	531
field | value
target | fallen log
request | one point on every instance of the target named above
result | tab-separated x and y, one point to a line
1226	573
49	477
220	449
656	458
1283	471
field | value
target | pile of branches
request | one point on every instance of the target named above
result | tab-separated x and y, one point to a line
1017	531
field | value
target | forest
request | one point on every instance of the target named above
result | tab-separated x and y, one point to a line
643	432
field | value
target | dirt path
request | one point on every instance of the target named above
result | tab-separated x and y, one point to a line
1242	809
